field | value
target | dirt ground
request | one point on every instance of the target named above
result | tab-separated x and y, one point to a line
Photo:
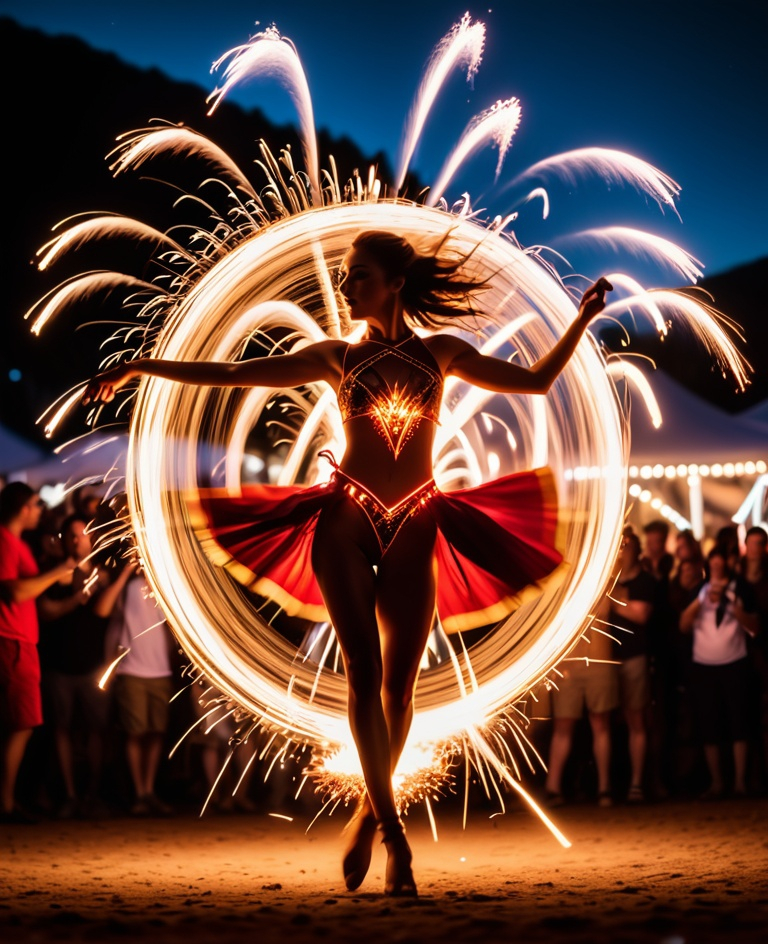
670	873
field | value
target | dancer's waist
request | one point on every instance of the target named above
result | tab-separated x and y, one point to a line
353	486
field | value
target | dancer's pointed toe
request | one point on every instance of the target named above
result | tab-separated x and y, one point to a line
357	858
399	882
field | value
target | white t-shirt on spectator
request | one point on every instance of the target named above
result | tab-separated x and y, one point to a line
715	644
138	624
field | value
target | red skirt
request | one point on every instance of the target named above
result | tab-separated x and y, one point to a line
496	544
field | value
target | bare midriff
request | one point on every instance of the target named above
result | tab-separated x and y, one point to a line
370	461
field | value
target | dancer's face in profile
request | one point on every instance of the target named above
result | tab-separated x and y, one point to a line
370	295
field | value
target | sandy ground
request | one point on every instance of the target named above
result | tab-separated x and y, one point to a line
671	873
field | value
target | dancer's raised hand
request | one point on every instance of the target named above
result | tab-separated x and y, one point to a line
593	300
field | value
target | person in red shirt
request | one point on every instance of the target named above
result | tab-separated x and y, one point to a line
20	584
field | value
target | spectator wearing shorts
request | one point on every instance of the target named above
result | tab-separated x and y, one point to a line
589	680
631	608
722	618
20	583
143	684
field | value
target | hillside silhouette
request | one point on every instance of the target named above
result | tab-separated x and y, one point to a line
66	103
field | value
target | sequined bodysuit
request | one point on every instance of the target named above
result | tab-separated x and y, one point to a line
397	388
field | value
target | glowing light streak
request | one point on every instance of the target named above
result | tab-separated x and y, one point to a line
463	45
631	373
102	227
216	781
544	196
144	144
270	54
242	776
330	299
431	815
329	644
639	243
471	466
102	684
91	580
614	167
706	323
191	728
79	289
60	408
620	280
497	123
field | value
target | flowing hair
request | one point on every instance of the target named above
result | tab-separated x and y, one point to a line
434	289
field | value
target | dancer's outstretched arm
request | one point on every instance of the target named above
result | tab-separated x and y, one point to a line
320	361
492	373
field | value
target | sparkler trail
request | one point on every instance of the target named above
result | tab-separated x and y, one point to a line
462	46
497	124
259	281
271	54
612	166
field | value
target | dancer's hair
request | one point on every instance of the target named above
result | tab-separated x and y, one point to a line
434	288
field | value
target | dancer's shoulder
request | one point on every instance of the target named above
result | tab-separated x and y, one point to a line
445	348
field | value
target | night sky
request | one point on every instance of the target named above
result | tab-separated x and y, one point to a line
679	83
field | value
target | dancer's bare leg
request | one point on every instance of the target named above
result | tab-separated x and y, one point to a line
343	549
405	605
366	609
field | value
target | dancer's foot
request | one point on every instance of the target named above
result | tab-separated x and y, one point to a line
357	858
399	877
635	794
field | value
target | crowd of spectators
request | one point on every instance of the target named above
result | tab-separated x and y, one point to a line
666	695
672	676
89	681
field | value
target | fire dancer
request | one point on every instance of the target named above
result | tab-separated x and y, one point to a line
379	546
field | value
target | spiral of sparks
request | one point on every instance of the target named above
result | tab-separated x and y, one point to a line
217	624
267	278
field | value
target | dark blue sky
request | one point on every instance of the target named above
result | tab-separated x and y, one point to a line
682	84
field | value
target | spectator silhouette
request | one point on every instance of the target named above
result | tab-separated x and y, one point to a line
721	618
20	584
72	656
631	607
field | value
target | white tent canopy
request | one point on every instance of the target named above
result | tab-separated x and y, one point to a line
720	457
16	453
693	430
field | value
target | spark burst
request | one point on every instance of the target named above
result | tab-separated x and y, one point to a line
217	300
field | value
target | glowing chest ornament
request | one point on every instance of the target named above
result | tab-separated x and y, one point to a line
396	407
